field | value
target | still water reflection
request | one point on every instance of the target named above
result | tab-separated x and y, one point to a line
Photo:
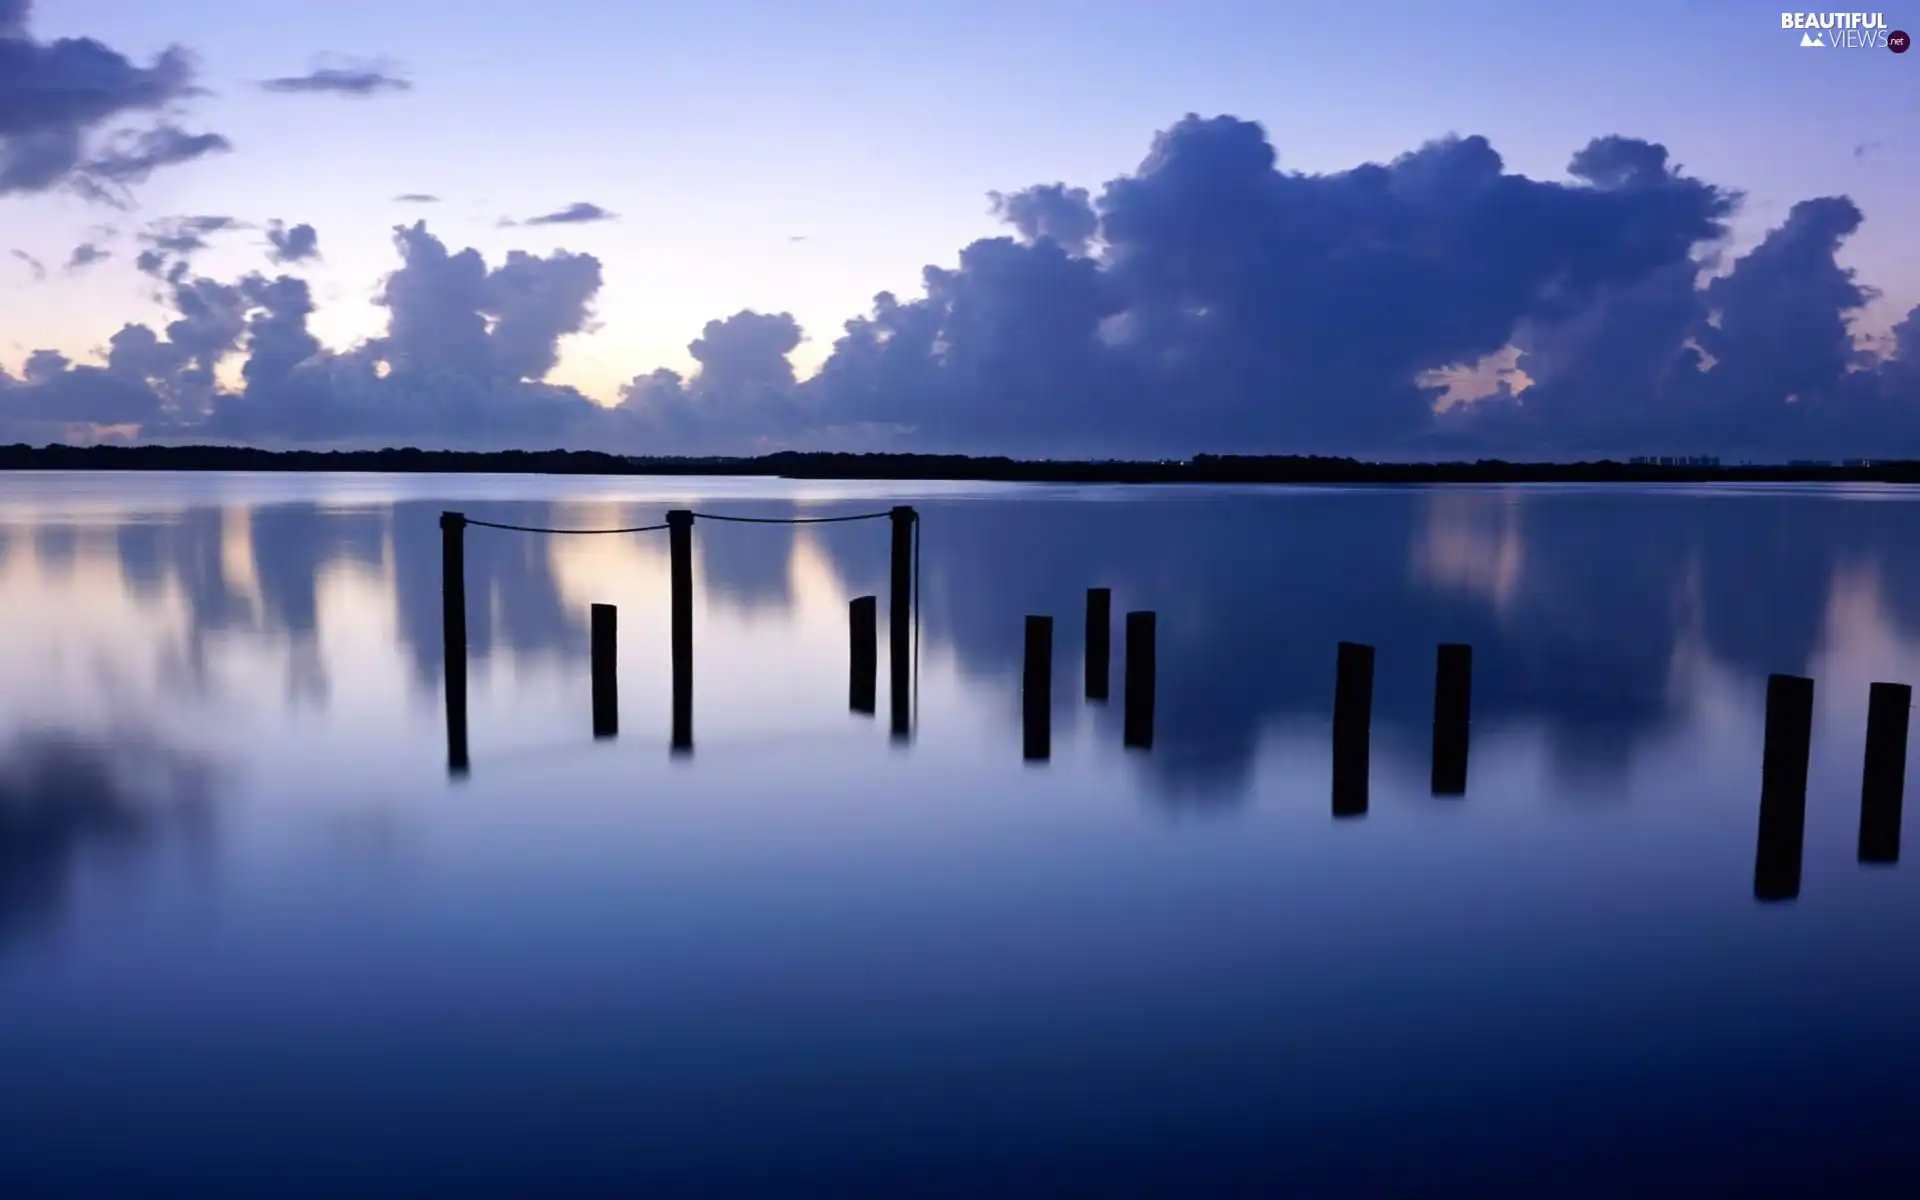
251	933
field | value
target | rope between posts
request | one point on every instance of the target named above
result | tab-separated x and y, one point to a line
790	520
535	529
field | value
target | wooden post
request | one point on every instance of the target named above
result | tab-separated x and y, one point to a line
864	654
453	630
606	682
1352	728
1884	779
680	550
1036	691
1452	713
1099	640
900	601
1140	681
1783	787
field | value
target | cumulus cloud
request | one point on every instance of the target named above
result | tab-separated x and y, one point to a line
172	241
85	255
578	213
362	79
292	245
59	99
1208	300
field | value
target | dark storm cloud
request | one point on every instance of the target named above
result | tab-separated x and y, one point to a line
292	244
85	255
359	80
55	97
578	213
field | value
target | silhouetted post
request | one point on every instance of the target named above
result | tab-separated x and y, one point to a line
1036	691
864	654
1140	681
1352	728
1783	787
1884	780
606	685
1452	712
1099	640
453	629
900	620
680	550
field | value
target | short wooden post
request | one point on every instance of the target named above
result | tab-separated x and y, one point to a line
1783	787
863	656
1352	728
900	601
1138	722
606	684
1099	640
680	551
1036	691
1452	714
453	629
1884	779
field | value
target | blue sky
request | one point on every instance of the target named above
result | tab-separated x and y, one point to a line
720	131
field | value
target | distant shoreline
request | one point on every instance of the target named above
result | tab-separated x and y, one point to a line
1202	468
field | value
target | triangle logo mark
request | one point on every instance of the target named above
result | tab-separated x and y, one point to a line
1812	39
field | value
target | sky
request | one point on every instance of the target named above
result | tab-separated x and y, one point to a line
775	166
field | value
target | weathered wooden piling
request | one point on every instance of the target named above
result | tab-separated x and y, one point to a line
453	630
863	657
1036	691
606	684
1452	714
1783	787
680	552
1352	728
900	603
1138	721
1099	641
1883	780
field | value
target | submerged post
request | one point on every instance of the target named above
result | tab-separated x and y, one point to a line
863	657
1352	728
1099	640
1884	779
1138	722
900	602
606	685
680	551
1036	691
1452	713
453	631
1783	787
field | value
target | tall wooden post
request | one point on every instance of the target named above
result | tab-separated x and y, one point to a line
1352	728
606	682
680	571
1141	672
863	658
900	601
1452	713
1099	640
1036	691
1883	781
453	632
1783	787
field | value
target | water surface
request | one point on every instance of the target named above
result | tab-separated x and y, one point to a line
252	933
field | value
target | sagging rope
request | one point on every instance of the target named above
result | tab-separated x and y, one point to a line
790	520
534	529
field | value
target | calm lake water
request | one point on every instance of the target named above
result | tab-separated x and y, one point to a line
255	940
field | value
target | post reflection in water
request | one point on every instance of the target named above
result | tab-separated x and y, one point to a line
621	935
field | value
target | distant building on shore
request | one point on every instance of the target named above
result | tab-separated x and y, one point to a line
1673	460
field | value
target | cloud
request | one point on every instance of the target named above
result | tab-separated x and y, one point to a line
363	79
577	213
34	265
1208	300
292	245
85	255
58	97
416	198
172	241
